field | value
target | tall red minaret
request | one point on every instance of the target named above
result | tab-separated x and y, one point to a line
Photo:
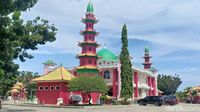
88	57
147	63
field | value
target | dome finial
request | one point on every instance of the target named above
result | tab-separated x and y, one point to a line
90	8
146	50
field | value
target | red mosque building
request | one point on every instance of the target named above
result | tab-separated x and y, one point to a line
52	86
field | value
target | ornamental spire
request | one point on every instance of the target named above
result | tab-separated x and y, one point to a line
146	50
90	8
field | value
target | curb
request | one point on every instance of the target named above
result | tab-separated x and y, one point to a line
55	106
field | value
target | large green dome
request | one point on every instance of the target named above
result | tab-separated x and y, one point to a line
90	8
107	55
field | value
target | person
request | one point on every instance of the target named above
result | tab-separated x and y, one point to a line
98	100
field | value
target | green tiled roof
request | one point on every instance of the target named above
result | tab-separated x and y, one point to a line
49	62
90	8
107	55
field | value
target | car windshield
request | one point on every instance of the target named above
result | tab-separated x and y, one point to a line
147	97
169	97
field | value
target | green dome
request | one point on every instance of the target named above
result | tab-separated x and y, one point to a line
146	50
90	8
107	55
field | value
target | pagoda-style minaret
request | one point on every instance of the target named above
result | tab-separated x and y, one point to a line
49	65
88	56
147	64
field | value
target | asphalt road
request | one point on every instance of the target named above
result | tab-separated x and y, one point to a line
114	108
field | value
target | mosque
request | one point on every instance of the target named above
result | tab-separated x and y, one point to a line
51	87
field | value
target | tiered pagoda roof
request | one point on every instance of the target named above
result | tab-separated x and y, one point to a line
88	43
89	32
59	74
92	20
87	55
87	69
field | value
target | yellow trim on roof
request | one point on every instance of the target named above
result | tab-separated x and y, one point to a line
92	42
87	54
59	74
87	67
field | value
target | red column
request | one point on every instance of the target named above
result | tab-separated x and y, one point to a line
154	86
136	83
114	83
149	84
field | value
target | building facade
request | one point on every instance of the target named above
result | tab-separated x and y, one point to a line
104	63
144	80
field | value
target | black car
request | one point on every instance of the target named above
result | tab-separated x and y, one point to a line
170	99
156	100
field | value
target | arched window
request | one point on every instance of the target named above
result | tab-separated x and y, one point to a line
106	75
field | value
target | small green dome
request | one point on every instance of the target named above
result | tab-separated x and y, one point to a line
146	50
90	8
107	55
49	62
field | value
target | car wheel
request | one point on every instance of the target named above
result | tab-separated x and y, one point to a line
142	104
171	104
158	104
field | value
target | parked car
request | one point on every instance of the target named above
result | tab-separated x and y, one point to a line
193	99
170	100
156	100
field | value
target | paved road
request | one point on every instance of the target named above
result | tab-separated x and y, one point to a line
117	108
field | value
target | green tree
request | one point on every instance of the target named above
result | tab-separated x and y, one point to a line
169	84
181	95
126	70
18	36
88	84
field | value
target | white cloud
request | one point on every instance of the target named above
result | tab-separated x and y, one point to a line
149	20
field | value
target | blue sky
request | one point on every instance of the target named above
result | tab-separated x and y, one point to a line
170	28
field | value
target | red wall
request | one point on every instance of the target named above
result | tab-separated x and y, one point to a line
86	61
51	96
